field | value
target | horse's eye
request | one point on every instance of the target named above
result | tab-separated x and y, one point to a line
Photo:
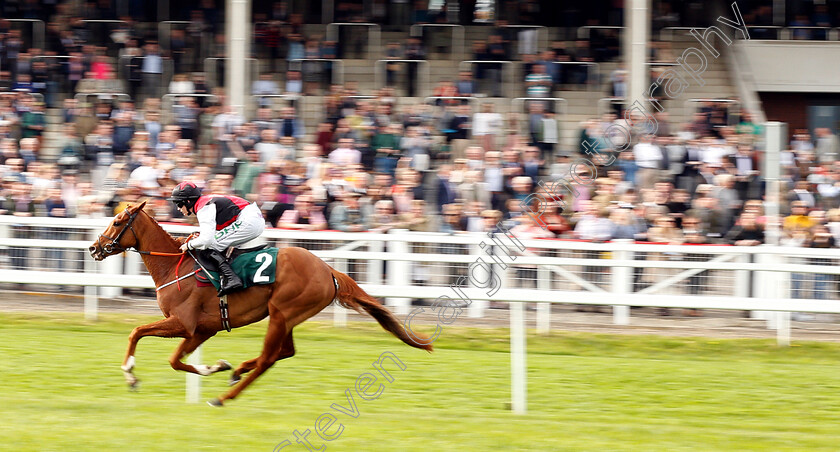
116	224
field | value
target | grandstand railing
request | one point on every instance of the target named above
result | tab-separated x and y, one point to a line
764	31
38	97
211	71
165	36
424	80
39	31
812	32
457	31
593	81
467	66
667	33
471	100
373	35
542	35
168	67
733	106
517	104
100	31
168	101
83	97
337	67
295	101
585	31
605	104
49	251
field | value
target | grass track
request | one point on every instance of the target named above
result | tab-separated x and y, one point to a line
63	391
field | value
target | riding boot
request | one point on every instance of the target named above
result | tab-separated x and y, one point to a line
229	280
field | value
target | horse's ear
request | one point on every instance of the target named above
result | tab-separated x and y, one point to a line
140	206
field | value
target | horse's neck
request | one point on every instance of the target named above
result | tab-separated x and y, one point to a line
152	238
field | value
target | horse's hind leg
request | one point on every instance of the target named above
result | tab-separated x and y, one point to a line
243	369
278	345
188	346
168	327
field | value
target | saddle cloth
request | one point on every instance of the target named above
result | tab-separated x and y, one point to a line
254	265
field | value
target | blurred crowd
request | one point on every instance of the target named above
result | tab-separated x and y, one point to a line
376	161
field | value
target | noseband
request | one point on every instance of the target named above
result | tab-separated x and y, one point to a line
114	244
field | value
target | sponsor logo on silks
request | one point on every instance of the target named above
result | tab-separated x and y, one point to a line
229	229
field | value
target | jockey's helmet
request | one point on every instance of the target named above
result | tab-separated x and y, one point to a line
185	194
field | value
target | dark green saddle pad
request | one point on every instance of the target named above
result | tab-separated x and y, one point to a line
254	267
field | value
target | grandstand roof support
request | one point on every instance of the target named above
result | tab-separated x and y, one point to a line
237	42
636	40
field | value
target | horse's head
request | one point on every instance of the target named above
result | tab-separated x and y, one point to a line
119	236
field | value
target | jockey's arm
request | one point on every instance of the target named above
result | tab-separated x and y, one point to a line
207	227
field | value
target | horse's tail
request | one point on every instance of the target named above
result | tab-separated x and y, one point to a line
351	296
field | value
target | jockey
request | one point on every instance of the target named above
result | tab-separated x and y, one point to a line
224	221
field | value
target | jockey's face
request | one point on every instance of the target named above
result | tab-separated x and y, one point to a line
184	210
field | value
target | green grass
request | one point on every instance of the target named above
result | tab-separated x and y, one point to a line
62	390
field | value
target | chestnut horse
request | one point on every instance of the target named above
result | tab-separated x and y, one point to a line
304	285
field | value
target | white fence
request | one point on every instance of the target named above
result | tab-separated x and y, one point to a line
49	251
770	281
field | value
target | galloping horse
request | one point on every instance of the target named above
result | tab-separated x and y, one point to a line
304	285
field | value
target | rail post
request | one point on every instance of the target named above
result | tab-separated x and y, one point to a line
518	365
543	309
622	283
91	292
194	380
399	272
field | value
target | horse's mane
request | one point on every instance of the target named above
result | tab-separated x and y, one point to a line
172	240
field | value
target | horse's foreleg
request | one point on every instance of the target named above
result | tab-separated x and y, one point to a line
168	327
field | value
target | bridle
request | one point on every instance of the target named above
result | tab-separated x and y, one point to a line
115	245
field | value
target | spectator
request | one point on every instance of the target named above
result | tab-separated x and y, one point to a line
486	126
294	85
649	160
152	69
453	220
181	84
798	220
594	225
392	52
413	51
305	215
538	82
466	86
266	86
33	122
459	131
828	146
290	125
347	215
747	233
345	154
384	218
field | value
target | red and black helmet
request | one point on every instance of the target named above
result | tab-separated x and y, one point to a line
185	194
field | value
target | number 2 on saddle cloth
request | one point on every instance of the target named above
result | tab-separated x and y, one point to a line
254	265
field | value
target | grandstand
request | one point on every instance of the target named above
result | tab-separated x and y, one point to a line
440	117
